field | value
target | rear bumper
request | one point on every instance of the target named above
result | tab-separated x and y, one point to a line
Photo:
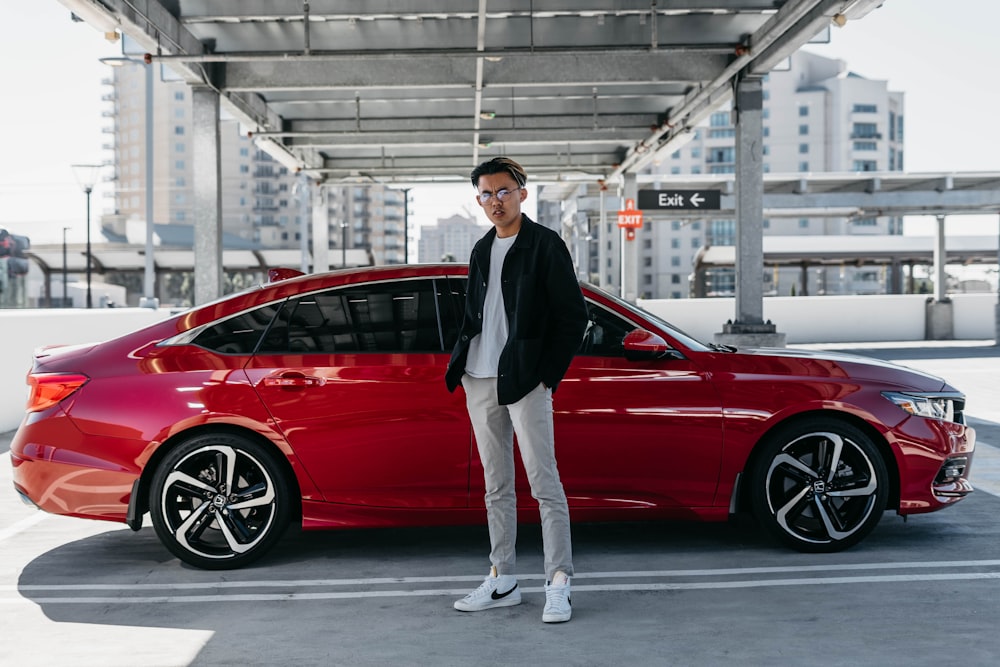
61	488
60	479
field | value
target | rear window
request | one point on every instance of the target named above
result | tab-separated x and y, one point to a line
405	316
421	315
240	334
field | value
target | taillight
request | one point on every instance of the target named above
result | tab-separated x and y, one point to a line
47	389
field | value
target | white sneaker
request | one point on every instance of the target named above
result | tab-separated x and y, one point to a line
495	591
558	608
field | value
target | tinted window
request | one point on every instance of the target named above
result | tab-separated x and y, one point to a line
605	333
385	317
237	335
451	297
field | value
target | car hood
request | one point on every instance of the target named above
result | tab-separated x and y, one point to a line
853	366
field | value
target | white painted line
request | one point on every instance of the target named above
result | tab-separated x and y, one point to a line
647	585
985	471
22	525
636	574
644	587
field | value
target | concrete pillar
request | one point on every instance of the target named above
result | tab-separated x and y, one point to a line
896	277
207	176
940	279
320	229
749	202
303	188
996	308
602	242
630	249
148	299
939	318
749	327
581	243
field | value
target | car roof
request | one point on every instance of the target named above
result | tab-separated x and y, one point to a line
260	294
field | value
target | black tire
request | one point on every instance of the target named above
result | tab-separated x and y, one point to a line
220	501
819	486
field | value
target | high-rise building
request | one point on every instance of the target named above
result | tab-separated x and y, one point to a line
817	117
262	202
450	240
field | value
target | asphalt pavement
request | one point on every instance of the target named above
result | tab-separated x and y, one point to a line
925	591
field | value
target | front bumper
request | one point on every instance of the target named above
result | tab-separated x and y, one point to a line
935	459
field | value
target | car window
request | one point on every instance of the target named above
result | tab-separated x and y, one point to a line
239	334
451	297
383	317
605	333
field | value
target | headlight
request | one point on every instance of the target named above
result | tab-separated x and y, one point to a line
932	406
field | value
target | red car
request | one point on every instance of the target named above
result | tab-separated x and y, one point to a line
321	399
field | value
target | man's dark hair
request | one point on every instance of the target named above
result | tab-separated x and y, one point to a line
499	165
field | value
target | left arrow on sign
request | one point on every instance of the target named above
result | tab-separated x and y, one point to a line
697	199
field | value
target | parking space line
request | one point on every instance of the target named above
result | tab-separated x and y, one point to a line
649	583
637	587
21	526
634	574
985	474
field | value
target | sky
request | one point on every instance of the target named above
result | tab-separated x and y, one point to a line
940	54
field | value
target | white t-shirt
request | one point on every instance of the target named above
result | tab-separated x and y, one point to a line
485	348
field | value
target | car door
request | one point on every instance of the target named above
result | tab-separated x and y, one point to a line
354	378
631	434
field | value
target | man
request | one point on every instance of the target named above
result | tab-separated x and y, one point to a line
524	320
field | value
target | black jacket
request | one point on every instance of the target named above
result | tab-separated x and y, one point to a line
546	314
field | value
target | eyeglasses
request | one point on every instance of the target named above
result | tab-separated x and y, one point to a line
501	195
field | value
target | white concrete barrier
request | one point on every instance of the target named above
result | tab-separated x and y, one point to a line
25	330
833	319
820	319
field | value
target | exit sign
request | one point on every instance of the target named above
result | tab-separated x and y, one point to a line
684	200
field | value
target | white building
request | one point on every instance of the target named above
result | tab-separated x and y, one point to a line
818	117
451	239
263	204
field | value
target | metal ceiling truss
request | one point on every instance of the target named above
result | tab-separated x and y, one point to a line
574	89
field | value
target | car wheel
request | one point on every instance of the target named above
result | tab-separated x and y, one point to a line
219	501
819	486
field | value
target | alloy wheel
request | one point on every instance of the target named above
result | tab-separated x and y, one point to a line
220	503
822	490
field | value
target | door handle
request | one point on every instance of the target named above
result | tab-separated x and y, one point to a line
293	381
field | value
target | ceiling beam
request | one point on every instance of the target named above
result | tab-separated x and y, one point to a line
448	72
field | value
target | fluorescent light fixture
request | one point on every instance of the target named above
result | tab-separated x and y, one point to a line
680	140
94	14
279	153
822	212
677	142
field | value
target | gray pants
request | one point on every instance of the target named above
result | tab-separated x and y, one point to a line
494	426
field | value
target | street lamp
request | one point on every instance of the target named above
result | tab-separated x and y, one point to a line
65	272
86	176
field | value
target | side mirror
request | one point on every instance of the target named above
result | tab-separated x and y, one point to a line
642	345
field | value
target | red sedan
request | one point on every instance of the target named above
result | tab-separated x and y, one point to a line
321	399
